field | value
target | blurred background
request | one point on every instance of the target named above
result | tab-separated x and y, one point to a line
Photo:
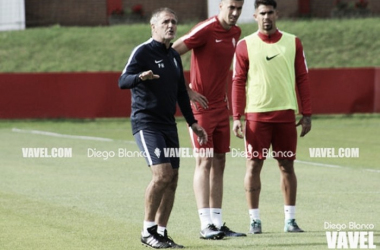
21	14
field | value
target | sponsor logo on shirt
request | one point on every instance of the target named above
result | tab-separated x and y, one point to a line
159	63
270	58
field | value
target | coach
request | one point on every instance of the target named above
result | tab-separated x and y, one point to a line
154	74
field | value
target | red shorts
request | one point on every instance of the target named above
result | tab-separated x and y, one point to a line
259	136
216	122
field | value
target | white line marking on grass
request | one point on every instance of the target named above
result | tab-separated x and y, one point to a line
81	137
334	166
319	164
372	170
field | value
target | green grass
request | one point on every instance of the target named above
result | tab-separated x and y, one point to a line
327	43
91	203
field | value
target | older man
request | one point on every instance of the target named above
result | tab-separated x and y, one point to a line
155	76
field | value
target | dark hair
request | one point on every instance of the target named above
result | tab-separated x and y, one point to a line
156	13
265	2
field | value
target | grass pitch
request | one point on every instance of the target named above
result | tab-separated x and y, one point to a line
87	202
83	49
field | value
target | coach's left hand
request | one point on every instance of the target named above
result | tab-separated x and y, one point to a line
148	75
305	122
200	132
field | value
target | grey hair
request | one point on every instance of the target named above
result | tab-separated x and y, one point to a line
156	14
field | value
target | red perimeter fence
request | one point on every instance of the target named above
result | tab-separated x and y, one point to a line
92	95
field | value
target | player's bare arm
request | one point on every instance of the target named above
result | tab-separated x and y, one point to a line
148	75
200	132
180	47
238	129
305	122
194	96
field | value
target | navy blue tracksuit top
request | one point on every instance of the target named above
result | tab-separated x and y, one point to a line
154	101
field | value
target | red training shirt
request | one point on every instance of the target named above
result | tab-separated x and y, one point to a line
213	50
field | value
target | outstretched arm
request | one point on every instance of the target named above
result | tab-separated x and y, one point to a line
180	47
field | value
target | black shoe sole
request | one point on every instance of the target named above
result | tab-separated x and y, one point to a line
146	245
215	237
237	235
